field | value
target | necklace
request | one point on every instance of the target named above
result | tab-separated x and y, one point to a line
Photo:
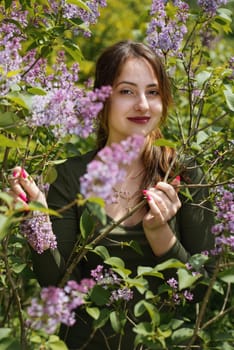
124	197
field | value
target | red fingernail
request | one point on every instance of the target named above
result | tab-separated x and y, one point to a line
148	197
144	192
23	197
15	173
23	174
178	177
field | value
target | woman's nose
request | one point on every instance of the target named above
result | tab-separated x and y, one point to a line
142	103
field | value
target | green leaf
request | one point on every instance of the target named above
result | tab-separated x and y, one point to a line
149	271
202	77
37	91
56	344
143	328
186	279
136	246
17	268
80	4
73	50
4	225
103	318
8	119
181	335
229	96
5	142
198	260
102	252
95	207
5	332
201	137
22	99
115	321
86	224
141	284
37	206
164	142
169	264
51	175
227	275
6	198
115	262
94	312
144	306
99	295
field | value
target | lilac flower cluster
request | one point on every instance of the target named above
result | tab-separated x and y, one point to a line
104	173
224	228
68	110
210	6
10	43
38	232
178	296
57	305
165	34
108	279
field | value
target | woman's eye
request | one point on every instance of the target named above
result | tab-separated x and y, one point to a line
125	92
153	92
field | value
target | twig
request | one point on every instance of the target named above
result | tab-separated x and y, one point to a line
203	306
222	311
23	339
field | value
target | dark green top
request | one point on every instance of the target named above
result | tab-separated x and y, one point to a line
191	225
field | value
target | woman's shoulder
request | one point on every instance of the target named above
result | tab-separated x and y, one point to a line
72	168
77	162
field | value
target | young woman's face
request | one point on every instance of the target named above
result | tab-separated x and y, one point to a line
135	104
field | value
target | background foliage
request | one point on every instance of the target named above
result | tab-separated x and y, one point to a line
200	123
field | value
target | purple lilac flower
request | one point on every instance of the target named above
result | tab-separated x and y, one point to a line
68	110
38	232
224	228
188	295
121	294
104	277
173	283
103	174
57	305
10	43
210	6
165	34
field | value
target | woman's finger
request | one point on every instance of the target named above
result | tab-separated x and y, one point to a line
23	184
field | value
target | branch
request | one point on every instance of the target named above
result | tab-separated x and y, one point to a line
102	235
23	338
204	306
222	311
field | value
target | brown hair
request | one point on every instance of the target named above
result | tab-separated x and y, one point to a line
156	160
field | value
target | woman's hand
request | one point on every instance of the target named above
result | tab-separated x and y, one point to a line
163	204
24	189
37	228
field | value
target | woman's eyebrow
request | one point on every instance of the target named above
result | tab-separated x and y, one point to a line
134	84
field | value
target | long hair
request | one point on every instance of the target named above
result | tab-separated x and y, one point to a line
156	160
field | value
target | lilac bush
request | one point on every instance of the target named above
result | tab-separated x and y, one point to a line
48	111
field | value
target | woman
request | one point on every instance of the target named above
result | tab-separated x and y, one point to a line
167	227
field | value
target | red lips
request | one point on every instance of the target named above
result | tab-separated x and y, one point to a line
139	120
